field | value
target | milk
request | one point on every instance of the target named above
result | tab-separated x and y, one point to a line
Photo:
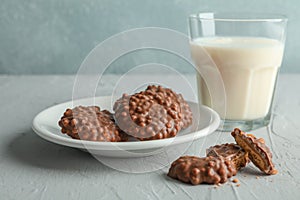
248	67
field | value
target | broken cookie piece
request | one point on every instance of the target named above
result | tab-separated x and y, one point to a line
195	170
259	153
232	152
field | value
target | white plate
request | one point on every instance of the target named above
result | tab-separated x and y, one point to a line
45	124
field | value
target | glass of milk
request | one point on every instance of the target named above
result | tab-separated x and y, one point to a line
247	52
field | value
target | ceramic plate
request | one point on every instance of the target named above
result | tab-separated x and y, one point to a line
45	124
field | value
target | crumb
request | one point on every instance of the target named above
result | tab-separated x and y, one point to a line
215	186
235	180
257	177
238	185
219	184
244	176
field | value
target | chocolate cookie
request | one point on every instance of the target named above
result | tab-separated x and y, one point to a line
258	152
89	123
232	152
187	115
155	113
195	170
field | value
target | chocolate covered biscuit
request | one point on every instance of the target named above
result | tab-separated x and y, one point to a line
258	152
195	170
232	152
89	123
155	113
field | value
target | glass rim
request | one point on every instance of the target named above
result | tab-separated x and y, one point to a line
239	17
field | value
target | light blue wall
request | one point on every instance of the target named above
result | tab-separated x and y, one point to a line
54	36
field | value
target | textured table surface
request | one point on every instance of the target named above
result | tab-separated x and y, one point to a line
32	168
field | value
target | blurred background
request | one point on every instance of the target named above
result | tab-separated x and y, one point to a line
54	36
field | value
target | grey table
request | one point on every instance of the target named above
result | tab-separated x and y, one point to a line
32	168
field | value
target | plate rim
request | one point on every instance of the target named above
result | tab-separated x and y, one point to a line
135	145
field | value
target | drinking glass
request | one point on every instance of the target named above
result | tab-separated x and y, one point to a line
247	50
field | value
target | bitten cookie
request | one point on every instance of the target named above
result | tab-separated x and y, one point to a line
232	152
89	123
155	113
195	170
259	153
